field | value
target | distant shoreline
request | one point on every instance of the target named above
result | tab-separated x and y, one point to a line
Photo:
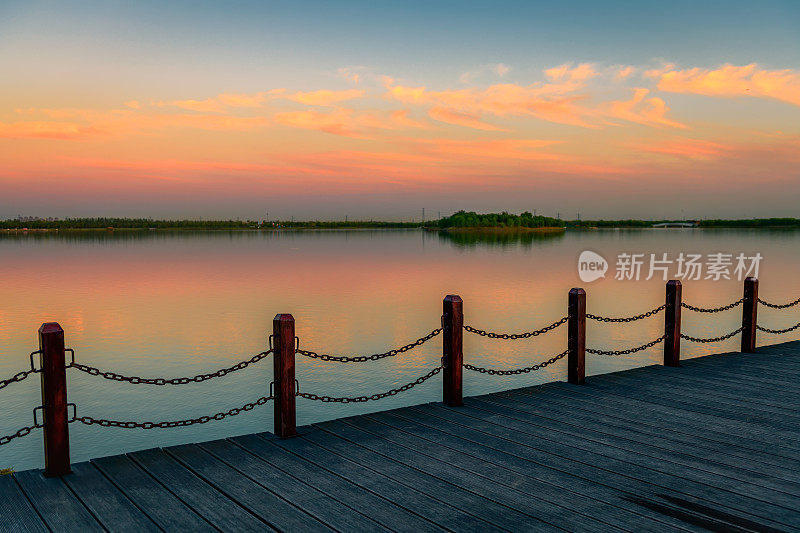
460	222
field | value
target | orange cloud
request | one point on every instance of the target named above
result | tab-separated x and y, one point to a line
47	130
503	149
696	149
347	122
731	81
567	73
443	114
641	110
544	101
209	105
325	97
624	72
224	100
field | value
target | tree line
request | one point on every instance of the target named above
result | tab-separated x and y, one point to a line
471	219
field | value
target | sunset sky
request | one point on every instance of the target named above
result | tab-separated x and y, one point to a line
378	109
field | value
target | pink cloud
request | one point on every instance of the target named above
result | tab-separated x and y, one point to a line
732	81
324	97
443	114
641	110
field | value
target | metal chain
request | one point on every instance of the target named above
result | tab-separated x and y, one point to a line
136	380
16	378
628	351
359	399
19	433
88	420
779	306
526	335
712	309
779	331
20	376
714	339
516	371
373	357
628	319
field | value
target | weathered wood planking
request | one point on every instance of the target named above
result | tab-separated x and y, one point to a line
712	444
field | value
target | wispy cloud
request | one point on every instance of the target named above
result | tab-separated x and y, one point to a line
731	81
325	97
443	114
641	110
495	70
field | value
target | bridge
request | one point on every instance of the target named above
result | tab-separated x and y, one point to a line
709	443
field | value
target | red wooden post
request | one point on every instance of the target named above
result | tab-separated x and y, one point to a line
283	357
749	315
54	400
576	343
452	350
672	324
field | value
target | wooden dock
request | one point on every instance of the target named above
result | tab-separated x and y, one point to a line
713	444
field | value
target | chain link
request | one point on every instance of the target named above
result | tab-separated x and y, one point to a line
136	380
628	319
779	331
21	376
360	399
714	339
16	378
88	420
373	357
516	371
779	306
19	433
712	309
627	351
525	335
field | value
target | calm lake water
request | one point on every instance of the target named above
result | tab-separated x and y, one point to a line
177	304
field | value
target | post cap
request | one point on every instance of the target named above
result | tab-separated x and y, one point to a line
452	298
51	327
577	290
283	317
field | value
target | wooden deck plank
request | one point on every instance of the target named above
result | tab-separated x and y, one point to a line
658	378
213	506
163	507
663	473
55	503
419	503
601	466
489	481
509	508
479	453
17	515
658	437
633	418
695	402
379	509
519	411
324	506
335	437
728	391
758	385
105	501
277	512
748	435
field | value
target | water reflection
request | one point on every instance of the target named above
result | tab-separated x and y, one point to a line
502	239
